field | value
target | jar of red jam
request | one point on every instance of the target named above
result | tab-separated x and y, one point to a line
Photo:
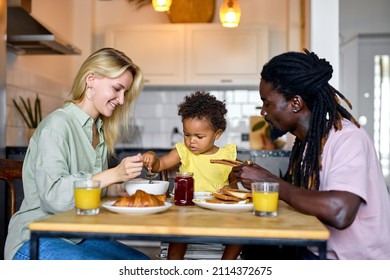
184	188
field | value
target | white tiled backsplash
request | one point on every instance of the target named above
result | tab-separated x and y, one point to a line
155	114
27	85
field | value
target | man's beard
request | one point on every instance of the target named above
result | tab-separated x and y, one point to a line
275	133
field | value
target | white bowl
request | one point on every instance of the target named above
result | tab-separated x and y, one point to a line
156	187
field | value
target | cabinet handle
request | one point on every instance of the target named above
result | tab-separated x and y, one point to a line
226	80
146	81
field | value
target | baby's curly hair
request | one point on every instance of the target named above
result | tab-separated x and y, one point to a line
201	105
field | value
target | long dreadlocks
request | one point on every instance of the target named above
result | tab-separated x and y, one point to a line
306	75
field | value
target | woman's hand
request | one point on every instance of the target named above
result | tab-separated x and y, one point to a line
129	168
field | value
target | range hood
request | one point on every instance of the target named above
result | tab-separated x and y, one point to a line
26	36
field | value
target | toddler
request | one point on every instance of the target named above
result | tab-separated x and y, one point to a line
203	118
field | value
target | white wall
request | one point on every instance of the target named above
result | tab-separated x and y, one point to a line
324	33
273	13
363	16
49	76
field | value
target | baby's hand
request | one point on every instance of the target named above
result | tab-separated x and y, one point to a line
149	158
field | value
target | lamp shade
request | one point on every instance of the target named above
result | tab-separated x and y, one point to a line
161	5
230	13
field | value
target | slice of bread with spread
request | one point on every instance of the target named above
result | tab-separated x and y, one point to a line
220	201
241	194
230	195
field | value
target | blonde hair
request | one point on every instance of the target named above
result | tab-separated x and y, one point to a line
110	63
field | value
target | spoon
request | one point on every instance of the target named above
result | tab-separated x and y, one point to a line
150	175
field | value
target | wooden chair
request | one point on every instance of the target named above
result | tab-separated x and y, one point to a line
169	175
9	171
163	175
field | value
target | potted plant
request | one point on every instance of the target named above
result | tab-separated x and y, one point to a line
261	134
31	114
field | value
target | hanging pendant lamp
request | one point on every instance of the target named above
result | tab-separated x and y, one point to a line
161	5
230	13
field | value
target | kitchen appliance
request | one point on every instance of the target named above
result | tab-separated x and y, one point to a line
27	36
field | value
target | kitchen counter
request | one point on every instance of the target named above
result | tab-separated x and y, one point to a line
242	154
276	161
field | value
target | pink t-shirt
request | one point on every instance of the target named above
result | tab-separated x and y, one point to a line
350	163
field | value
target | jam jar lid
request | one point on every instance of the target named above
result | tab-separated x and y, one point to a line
184	174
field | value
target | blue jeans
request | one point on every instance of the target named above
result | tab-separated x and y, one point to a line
88	249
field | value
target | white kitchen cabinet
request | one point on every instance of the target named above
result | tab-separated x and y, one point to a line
194	54
157	49
216	55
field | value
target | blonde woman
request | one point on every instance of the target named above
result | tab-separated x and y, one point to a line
75	141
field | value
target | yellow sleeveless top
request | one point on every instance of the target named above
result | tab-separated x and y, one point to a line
208	177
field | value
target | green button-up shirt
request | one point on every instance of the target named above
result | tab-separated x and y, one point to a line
59	152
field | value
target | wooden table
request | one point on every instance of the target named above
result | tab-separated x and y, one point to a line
189	224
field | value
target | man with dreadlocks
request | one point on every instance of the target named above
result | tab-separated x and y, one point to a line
334	173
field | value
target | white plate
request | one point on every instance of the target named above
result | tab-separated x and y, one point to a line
237	207
202	195
135	210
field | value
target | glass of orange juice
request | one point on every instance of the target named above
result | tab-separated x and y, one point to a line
265	197
87	196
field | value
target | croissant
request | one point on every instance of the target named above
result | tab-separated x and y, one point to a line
141	199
